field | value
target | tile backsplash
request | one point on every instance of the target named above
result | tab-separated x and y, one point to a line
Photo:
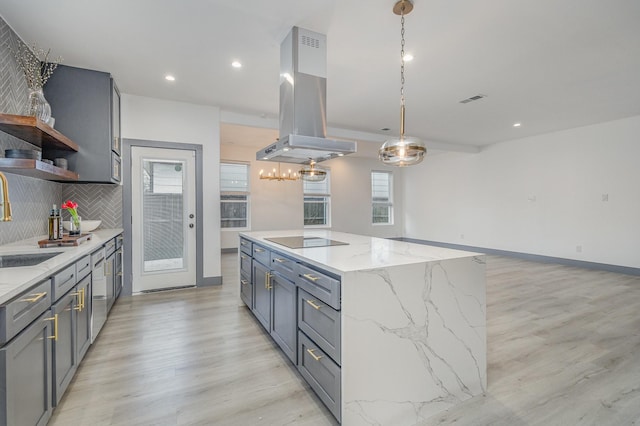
31	199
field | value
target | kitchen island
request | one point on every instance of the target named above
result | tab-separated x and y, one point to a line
411	319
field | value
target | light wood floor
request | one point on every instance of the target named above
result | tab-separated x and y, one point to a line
563	349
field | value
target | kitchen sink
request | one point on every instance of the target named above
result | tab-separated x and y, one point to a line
31	259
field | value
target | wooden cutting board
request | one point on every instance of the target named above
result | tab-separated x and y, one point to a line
67	240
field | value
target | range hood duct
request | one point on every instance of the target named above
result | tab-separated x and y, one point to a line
303	96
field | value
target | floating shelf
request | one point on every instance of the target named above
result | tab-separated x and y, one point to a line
36	169
34	131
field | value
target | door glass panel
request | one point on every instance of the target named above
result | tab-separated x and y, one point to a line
163	215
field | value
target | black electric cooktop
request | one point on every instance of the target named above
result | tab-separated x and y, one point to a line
305	242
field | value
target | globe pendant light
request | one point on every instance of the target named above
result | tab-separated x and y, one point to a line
402	151
311	173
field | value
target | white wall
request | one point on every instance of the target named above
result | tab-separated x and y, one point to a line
167	121
539	195
279	205
274	205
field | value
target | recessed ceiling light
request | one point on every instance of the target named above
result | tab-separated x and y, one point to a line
169	77
408	57
236	64
517	124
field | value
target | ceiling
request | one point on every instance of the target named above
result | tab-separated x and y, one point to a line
548	64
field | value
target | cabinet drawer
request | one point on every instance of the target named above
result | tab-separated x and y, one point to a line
110	247
322	374
320	285
284	265
83	267
245	264
321	323
21	311
62	282
246	246
246	290
119	240
262	255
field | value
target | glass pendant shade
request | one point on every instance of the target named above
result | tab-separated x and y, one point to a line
402	151
311	173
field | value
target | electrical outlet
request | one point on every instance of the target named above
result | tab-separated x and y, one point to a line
605	197
579	249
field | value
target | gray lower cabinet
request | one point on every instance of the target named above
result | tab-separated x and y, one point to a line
284	329
261	294
111	282
64	345
25	379
83	318
246	289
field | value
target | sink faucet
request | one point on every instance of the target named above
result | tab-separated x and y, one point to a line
5	206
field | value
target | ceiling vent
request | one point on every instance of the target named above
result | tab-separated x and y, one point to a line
473	98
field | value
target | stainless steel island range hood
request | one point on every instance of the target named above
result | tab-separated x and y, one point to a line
303	95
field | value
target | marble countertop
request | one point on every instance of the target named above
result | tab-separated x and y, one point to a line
361	253
14	281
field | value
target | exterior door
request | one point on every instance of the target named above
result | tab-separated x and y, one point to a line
163	223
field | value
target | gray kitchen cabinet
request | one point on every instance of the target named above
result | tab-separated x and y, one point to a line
262	294
118	266
246	290
86	106
65	361
83	318
284	328
111	282
321	323
25	375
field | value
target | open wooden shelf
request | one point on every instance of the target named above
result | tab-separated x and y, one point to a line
34	131
36	169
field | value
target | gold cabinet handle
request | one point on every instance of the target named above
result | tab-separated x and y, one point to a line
35	298
78	306
258	250
243	257
82	299
243	243
314	356
244	282
55	327
267	281
277	259
310	302
311	277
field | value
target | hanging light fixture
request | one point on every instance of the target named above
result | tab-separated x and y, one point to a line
278	176
402	151
311	173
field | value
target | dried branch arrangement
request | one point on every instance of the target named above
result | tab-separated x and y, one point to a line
35	64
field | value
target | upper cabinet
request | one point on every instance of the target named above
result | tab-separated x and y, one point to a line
86	106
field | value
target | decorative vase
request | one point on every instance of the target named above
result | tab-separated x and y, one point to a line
37	105
74	225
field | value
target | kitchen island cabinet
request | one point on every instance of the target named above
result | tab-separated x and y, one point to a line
394	332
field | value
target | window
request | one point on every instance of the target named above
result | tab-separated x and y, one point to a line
317	203
381	198
234	195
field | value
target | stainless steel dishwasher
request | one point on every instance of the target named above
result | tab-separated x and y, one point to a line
99	298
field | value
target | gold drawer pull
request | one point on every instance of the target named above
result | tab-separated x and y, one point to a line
244	243
267	281
311	277
258	250
243	257
314	356
35	298
244	282
313	304
55	327
277	259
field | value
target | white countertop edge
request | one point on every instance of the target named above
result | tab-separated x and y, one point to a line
14	281
362	252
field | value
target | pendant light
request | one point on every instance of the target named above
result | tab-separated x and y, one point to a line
311	173
278	176
402	151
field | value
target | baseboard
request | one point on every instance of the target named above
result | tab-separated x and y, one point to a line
209	281
528	256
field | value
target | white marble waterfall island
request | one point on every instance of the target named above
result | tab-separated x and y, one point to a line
413	324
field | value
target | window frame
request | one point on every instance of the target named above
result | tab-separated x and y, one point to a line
389	204
246	193
327	203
